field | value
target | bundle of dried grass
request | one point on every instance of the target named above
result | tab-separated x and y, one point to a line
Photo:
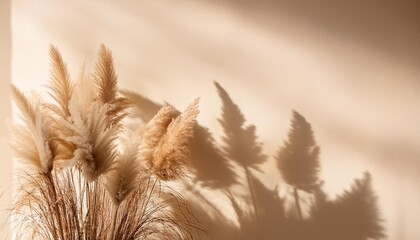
74	170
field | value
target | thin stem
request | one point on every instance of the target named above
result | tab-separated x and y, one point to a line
55	203
114	221
296	194
251	190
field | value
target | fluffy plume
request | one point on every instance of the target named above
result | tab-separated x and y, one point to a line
61	91
94	140
105	76
67	127
154	131
26	108
106	80
32	144
60	85
123	179
171	153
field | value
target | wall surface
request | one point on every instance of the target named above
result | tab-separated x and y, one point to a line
5	113
350	67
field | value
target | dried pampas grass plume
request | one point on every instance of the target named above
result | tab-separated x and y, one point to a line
105	79
32	144
61	91
170	154
105	76
153	132
26	108
60	85
96	111
95	142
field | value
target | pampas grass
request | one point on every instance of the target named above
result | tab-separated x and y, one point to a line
165	141
32	140
81	178
171	153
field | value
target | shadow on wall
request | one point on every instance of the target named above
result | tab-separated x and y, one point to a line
305	212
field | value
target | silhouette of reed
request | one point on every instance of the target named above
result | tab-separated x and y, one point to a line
298	159
241	144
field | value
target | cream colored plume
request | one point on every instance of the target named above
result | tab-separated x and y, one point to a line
95	111
70	119
105	79
95	142
31	142
154	131
60	85
61	91
171	150
123	178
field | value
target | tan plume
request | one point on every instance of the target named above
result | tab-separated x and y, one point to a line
61	90
32	144
106	80
26	108
154	131
170	155
105	76
95	142
60	85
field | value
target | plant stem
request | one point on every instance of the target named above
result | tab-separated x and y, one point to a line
296	194
251	190
55	206
114	222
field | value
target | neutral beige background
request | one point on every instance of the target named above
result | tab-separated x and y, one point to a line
5	114
350	67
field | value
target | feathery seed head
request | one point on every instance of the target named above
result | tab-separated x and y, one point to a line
170	155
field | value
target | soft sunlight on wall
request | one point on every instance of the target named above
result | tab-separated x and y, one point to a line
354	77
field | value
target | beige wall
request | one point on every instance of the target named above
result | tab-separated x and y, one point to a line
5	113
351	69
